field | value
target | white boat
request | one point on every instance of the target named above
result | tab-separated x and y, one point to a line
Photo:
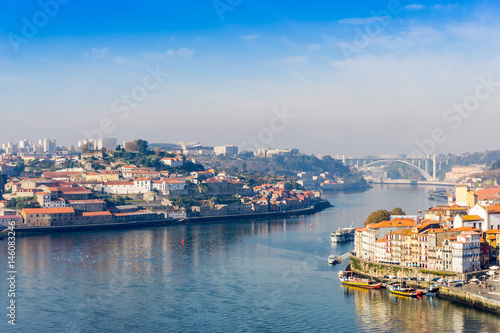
343	235
332	260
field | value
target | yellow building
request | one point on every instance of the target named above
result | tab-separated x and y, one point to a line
105	176
492	237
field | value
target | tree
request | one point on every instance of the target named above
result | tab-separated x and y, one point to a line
142	146
246	154
157	151
397	211
378	216
85	148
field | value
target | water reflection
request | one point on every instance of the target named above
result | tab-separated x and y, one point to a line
379	310
234	276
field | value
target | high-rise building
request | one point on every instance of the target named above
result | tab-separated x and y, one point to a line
49	145
108	143
226	150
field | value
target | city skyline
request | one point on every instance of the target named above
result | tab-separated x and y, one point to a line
372	78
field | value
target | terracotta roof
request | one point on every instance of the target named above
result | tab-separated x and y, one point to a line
129	183
494	209
488	193
59	210
393	223
104	213
86	201
472	218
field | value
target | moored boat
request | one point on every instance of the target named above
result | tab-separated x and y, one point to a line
432	291
402	290
332	260
348	279
343	235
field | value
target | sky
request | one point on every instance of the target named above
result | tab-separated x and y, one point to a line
326	76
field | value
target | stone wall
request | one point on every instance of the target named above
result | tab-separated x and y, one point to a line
377	270
465	297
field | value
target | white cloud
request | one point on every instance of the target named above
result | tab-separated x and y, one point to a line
448	6
415	6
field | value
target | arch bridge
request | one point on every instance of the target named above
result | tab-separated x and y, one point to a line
420	170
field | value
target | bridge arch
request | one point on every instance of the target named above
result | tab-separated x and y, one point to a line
421	171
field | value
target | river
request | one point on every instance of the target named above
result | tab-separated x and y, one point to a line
251	276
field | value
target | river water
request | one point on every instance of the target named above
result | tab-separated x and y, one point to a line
252	276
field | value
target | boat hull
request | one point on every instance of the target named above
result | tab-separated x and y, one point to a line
405	293
361	284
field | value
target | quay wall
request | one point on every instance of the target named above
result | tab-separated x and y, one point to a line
465	297
377	270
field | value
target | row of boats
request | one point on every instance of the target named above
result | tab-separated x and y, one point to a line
348	278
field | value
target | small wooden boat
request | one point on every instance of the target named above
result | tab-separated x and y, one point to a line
348	279
402	290
432	291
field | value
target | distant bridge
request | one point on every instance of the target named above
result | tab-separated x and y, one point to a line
422	164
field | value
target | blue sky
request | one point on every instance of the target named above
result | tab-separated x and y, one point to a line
360	77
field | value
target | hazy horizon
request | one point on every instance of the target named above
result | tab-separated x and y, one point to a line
371	77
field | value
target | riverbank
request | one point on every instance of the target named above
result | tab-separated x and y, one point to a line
471	295
319	206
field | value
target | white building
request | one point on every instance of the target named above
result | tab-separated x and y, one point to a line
173	161
226	150
490	215
108	143
375	231
381	249
49	145
466	252
45	201
169	184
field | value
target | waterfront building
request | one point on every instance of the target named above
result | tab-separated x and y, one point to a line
381	249
90	205
492	238
466	252
46	217
443	254
375	231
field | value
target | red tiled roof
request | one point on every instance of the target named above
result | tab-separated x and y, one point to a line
58	210
104	213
